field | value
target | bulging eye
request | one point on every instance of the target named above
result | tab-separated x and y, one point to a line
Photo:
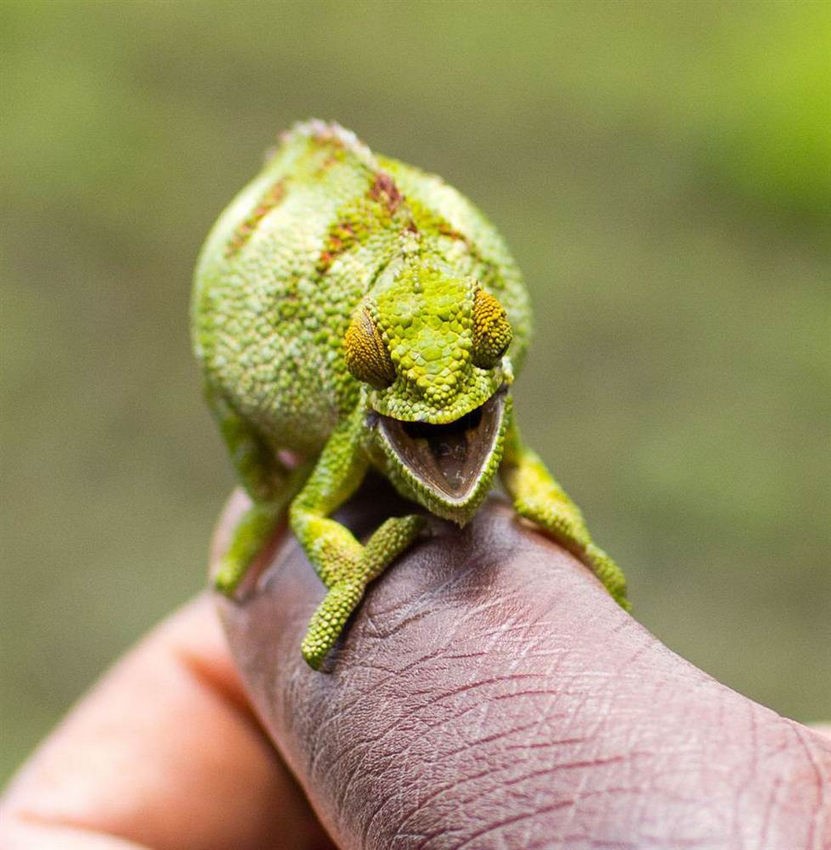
367	357
491	330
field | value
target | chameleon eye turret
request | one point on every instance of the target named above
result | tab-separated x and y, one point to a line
491	330
366	354
336	315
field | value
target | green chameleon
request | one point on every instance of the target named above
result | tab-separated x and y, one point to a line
358	313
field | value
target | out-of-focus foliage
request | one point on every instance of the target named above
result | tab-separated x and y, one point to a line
663	174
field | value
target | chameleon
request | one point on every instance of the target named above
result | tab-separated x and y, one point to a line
356	312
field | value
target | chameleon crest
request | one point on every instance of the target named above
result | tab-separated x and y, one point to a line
361	313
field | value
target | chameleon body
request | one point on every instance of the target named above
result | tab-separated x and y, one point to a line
358	313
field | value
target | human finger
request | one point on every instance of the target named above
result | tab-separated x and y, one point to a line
489	693
163	753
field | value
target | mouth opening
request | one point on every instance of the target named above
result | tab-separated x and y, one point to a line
447	458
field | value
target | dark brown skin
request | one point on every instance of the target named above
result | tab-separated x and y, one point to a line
489	694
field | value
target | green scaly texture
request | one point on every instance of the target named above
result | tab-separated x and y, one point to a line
330	238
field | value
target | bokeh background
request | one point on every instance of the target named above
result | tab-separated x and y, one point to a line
663	174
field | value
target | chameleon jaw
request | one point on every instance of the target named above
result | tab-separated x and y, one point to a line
448	464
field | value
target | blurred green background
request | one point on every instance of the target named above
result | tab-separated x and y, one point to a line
663	175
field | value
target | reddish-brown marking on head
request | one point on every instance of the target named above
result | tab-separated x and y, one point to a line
384	191
447	229
341	238
334	157
376	208
244	230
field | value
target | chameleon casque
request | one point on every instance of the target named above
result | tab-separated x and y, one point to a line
360	313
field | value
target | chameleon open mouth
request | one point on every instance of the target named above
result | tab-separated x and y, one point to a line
449	458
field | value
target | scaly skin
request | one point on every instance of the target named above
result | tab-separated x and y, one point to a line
359	312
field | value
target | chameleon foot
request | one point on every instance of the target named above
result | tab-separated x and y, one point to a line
328	621
386	544
609	573
251	533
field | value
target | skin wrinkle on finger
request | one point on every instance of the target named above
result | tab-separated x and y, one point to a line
424	732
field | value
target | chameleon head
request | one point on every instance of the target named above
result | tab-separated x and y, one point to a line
430	349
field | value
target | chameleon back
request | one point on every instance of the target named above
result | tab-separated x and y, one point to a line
290	259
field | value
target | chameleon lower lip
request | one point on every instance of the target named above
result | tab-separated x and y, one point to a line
449	458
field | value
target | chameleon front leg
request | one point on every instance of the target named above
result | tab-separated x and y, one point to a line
344	566
268	482
539	498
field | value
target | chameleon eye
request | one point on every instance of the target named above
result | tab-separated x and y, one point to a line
491	330
367	357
